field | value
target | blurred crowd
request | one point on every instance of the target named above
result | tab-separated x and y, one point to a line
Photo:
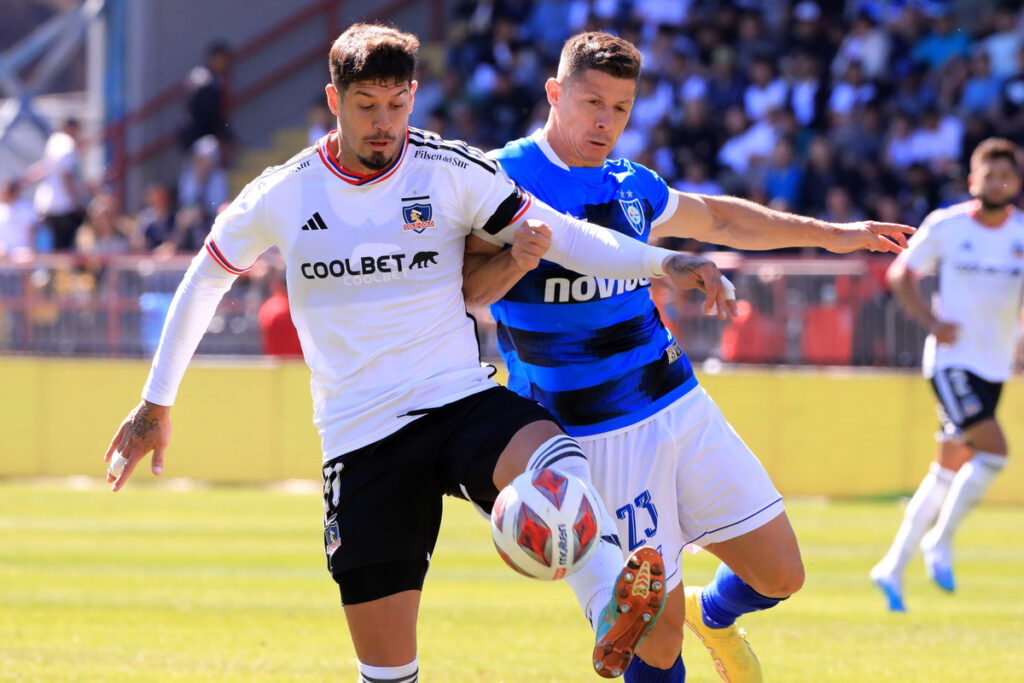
53	208
842	109
838	109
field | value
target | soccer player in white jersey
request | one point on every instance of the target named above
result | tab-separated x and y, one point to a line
977	251
596	353
372	222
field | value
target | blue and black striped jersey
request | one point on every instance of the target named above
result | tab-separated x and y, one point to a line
593	351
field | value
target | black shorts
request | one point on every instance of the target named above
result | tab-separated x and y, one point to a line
382	502
964	399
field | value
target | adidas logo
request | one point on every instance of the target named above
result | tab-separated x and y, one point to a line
315	223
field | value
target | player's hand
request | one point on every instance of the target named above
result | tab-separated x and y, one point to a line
945	333
870	236
531	241
147	428
696	272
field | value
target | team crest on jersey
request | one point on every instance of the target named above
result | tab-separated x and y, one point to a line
418	217
634	211
1018	250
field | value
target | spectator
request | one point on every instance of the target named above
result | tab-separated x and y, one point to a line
981	91
839	207
765	92
204	183
696	180
867	45
697	137
1010	114
936	140
1004	43
945	41
156	221
321	121
206	109
17	222
278	336
852	92
899	145
783	176
752	44
820	173
104	231
725	86
807	95
748	146
61	194
653	102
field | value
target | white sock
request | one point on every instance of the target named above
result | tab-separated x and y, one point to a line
968	488
921	512
593	582
407	673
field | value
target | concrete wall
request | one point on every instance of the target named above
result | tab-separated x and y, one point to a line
816	433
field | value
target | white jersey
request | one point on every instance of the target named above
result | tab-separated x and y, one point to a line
374	271
981	279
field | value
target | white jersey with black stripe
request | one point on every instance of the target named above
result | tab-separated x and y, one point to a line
981	280
374	271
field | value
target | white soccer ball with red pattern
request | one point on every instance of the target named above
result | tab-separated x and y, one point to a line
545	524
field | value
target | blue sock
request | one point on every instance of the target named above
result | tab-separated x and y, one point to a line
728	596
640	671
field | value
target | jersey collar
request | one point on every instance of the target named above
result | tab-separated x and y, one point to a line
545	147
974	208
323	148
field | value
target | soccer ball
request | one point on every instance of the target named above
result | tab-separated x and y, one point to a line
545	524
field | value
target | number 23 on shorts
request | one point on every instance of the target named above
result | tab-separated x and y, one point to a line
630	512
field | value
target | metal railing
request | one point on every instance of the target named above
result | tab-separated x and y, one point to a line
793	311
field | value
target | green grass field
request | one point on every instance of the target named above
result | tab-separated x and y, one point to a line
229	584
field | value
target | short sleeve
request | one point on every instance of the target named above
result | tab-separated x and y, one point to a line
495	201
240	234
924	249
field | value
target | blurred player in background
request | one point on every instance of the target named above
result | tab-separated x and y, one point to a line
405	412
977	250
596	353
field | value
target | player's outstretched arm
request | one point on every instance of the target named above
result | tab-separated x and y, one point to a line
743	224
594	250
489	271
146	429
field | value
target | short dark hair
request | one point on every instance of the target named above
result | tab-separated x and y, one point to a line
997	148
373	53
602	52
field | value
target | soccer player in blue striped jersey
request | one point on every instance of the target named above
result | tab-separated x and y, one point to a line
596	353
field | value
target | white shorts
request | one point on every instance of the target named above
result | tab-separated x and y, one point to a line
682	476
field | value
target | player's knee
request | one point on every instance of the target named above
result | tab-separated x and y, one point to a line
786	580
790	580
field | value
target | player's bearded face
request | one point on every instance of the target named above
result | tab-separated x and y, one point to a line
593	110
372	118
995	184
